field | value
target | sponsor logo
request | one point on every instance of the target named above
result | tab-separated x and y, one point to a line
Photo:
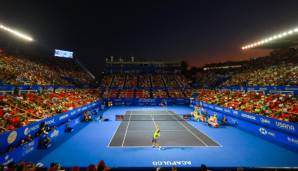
264	131
12	137
263	120
49	122
235	112
27	151
233	121
285	126
248	116
147	100
171	163
28	148
289	88
55	134
73	113
7	159
227	111
293	140
218	108
26	131
31	129
63	116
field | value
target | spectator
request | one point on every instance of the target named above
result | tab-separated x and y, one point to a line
102	166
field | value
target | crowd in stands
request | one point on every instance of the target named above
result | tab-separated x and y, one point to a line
144	81
142	94
159	93
41	71
145	86
279	106
277	75
119	80
131	81
20	110
127	94
176	93
110	93
106	81
29	166
157	81
182	81
280	68
171	81
101	166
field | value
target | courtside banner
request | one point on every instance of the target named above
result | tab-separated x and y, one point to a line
17	154
267	89
288	127
148	101
33	87
15	136
7	88
290	141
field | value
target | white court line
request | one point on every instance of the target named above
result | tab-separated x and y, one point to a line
176	146
154	122
192	133
114	134
162	130
207	136
153	115
212	139
126	130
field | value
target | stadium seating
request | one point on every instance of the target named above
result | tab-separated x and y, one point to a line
131	81
144	86
277	75
23	109
278	69
41	71
279	106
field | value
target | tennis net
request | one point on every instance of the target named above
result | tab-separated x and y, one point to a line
132	117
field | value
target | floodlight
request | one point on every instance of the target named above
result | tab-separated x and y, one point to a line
284	34
269	39
16	33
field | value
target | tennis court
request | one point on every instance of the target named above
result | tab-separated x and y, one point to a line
137	128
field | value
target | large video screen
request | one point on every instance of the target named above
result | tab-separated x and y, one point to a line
63	53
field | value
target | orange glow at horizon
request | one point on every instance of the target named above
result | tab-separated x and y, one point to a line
201	60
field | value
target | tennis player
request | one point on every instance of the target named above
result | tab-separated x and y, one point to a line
155	138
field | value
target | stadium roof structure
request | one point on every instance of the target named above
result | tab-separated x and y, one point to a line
281	40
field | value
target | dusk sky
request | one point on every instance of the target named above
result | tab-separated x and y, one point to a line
199	31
